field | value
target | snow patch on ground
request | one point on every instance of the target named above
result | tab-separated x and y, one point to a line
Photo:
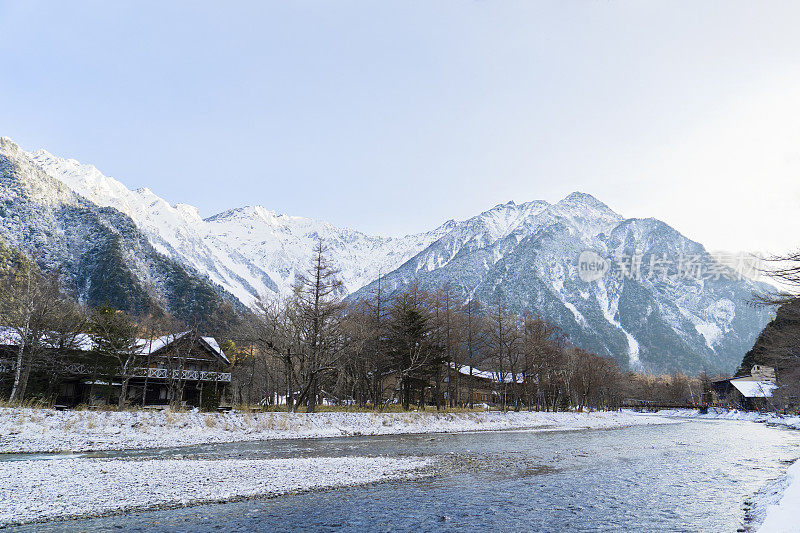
578	316
46	430
46	490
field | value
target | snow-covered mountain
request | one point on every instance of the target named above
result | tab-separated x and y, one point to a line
250	251
100	252
525	254
662	318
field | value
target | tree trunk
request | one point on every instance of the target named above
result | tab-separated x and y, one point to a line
23	384
312	395
15	390
123	393
144	389
289	396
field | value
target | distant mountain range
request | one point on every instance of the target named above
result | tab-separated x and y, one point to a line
680	310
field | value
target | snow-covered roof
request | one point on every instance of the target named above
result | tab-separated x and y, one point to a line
213	345
754	389
485	374
10	337
148	346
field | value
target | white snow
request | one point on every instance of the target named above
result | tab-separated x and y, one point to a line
578	316
47	430
250	251
609	309
714	321
710	331
784	517
74	487
773	419
754	389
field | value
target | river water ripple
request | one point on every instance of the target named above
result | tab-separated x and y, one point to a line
691	476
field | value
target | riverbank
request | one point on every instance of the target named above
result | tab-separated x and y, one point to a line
33	491
780	515
791	422
30	430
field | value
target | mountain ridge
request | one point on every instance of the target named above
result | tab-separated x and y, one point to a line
522	253
100	252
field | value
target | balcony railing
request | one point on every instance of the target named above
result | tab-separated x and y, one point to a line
186	375
78	368
156	373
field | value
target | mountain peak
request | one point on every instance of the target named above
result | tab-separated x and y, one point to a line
9	146
258	212
585	202
578	197
189	211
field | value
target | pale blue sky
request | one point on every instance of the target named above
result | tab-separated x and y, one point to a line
391	117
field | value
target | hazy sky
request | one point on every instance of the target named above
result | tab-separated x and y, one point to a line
391	117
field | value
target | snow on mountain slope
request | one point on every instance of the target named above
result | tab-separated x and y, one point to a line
523	253
100	253
526	255
249	251
283	245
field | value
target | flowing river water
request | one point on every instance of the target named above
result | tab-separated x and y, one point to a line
689	476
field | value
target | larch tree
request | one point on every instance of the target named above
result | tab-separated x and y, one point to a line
474	335
377	311
503	346
318	311
412	345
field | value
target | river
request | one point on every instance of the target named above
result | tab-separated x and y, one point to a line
690	476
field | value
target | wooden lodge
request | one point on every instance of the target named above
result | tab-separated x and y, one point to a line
750	393
466	386
186	366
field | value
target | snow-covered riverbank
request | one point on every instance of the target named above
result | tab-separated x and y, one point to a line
792	422
46	430
781	517
56	489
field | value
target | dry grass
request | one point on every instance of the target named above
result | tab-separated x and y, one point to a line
170	418
32	403
392	408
